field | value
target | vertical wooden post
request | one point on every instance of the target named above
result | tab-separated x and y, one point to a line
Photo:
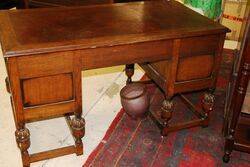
23	4
129	69
238	99
78	123
22	134
167	105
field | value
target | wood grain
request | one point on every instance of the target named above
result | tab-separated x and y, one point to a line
46	90
45	64
50	30
196	67
45	51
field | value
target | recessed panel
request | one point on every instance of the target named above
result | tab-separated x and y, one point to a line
47	90
196	67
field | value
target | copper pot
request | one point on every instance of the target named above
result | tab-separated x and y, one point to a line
135	100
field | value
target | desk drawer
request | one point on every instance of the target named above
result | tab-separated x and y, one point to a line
45	64
126	54
203	45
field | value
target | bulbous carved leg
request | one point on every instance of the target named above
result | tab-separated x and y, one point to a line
166	112
129	72
208	106
78	130
23	142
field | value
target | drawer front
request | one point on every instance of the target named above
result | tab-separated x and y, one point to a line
45	64
204	45
126	54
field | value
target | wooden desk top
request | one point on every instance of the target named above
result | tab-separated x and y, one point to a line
32	31
58	3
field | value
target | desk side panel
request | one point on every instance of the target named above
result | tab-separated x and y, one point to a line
47	84
197	65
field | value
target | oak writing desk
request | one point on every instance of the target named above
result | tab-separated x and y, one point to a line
45	51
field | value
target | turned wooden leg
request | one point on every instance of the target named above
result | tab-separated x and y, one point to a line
226	157
78	131
229	142
166	114
208	106
23	142
23	4
129	72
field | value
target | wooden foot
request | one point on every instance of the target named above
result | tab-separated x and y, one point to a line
129	72
78	131
229	143
166	114
226	157
208	106
23	142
